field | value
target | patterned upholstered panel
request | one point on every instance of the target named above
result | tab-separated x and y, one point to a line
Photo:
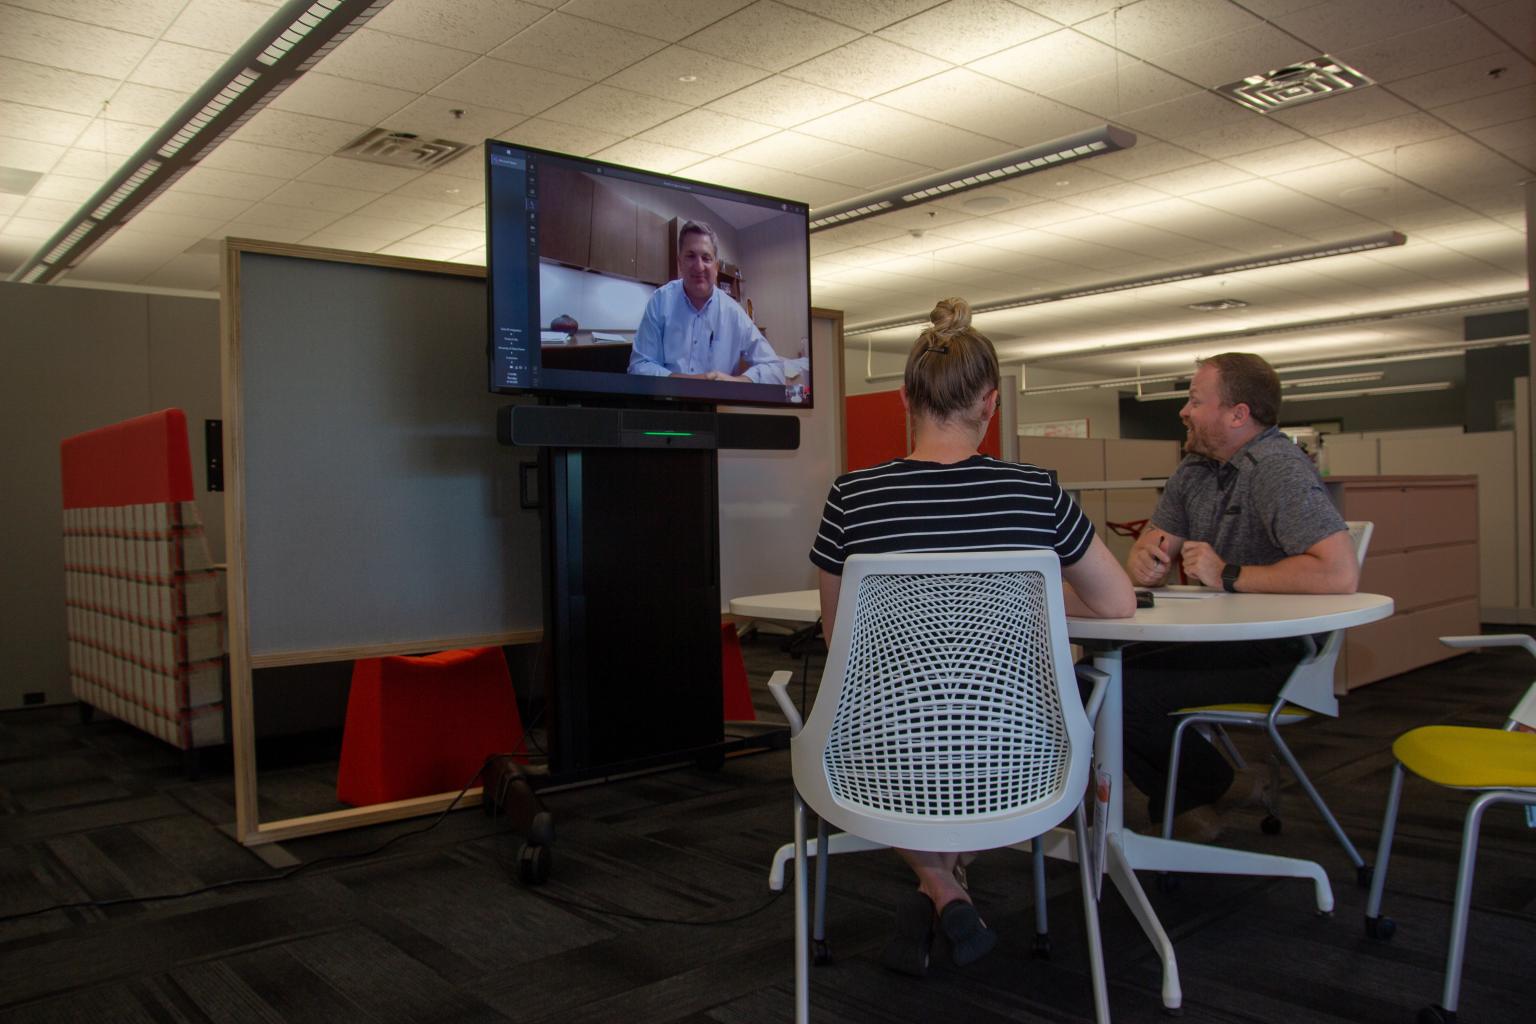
145	608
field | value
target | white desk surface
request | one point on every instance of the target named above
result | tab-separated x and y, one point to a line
1222	617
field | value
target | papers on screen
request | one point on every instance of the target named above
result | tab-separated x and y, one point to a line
1179	590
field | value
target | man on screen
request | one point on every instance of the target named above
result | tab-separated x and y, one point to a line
692	329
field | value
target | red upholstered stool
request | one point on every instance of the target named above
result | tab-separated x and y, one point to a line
422	725
733	677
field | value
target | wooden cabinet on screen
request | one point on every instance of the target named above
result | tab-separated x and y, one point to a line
565	203
1423	555
613	232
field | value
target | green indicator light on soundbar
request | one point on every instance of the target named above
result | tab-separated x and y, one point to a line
668	433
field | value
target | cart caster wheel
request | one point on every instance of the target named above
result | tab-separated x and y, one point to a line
533	863
1436	1015
1363	875
1381	928
1040	949
1167	883
821	953
1270	826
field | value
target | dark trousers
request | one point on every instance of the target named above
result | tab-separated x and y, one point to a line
1162	678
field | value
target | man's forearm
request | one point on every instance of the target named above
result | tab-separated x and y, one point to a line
1300	574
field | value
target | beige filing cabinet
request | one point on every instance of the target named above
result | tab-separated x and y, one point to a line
1079	460
1423	555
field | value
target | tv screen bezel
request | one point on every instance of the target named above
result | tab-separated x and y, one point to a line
636	390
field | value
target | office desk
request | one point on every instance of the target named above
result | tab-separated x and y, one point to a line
1176	620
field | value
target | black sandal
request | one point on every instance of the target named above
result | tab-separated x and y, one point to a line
907	952
969	939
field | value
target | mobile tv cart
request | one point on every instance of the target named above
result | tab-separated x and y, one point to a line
629	506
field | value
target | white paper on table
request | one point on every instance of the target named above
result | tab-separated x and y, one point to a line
1101	786
1179	591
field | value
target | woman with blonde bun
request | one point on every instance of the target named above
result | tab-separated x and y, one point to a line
953	498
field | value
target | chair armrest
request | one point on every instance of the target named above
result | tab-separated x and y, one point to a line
778	685
1095	699
1492	640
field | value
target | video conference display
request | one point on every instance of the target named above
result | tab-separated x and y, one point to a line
605	280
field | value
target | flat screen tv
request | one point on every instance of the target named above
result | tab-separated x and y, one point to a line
609	281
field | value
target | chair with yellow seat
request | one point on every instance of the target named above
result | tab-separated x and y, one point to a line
1501	763
1308	692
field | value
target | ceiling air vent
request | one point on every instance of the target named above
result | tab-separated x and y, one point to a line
401	149
1217	304
1286	87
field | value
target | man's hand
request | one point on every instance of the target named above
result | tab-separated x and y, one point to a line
1202	563
1149	562
718	375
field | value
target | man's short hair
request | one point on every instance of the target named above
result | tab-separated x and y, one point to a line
1246	379
698	227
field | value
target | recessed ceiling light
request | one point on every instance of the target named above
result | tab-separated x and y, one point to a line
1059	182
985	204
687	78
1217	304
1294	84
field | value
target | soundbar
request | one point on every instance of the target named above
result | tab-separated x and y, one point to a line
567	426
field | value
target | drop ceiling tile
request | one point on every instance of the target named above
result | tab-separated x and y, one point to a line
456	239
771	35
571	46
965	30
1198	178
222	25
1134	85
236	155
867	67
1289	157
1466	80
421	211
433	117
445	188
331	198
1154	27
865	232
1114	197
31	230
983	105
1144	160
298	131
1396	131
65	187
472	219
1516	140
662	73
706	130
1426	49
144	17
416	251
1255	50
371	56
1337	26
1039	214
1449	164
144	105
472	25
176	67
1195	220
1350	110
560	138
1515	21
1186	116
650	156
618	111
869	171
206	179
377	230
1486	111
768	181
187	273
790	151
152	221
53	88
868	15
348	173
38	124
71	45
293	217
783	102
976	229
503	86
31	156
1050	62
904	136
190	204
1136	238
1239	137
40	208
670	20
1063	248
1060	182
325	95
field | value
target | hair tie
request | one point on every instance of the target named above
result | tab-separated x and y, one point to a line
942	350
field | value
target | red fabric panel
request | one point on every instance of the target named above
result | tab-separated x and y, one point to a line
992	444
418	726
733	676
876	428
136	462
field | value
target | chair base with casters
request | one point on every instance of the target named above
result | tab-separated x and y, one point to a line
1497	764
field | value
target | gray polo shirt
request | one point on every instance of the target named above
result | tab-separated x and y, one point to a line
1266	504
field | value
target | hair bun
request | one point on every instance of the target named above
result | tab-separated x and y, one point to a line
950	317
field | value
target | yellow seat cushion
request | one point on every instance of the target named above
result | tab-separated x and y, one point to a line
1246	709
1456	755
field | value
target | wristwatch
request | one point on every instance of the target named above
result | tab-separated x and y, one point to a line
1229	577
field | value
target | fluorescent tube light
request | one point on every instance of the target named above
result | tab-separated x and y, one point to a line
1107	139
1397	389
290	43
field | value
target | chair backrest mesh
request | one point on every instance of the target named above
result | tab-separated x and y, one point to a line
949	707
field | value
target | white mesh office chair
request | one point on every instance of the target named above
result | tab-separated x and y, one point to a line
1308	692
948	719
1499	765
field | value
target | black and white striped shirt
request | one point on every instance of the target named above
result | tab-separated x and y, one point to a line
980	504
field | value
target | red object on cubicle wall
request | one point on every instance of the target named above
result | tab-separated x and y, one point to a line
142	461
876	428
992	443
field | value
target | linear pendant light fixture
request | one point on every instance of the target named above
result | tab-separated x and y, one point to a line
289	44
1107	139
1366	244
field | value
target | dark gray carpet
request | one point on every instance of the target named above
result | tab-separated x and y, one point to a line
658	909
